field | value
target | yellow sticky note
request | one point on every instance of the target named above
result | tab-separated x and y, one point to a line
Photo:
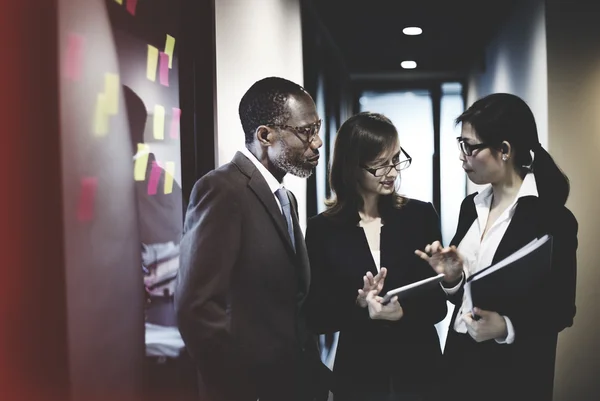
152	63
101	117
169	46
119	1
169	173
159	122
111	91
141	162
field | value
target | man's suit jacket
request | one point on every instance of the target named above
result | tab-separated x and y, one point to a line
523	370
377	356
240	291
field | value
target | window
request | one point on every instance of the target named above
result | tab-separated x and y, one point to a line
411	113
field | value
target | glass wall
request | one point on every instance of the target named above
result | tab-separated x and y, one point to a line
453	184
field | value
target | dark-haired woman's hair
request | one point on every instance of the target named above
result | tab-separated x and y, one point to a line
504	117
360	140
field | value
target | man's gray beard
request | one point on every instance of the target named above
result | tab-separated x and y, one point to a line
283	163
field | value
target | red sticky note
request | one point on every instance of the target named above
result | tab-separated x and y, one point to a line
164	68
131	6
175	117
87	198
74	56
154	178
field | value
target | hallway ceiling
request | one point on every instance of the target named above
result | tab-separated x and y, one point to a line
368	33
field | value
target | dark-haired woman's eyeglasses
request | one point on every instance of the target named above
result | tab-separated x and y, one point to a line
381	171
306	134
467	149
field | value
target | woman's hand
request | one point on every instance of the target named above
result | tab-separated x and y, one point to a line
490	326
446	261
371	283
378	311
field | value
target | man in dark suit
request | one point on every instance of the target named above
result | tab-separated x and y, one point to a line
244	271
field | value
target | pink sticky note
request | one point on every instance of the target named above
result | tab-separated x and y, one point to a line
131	6
74	57
175	117
164	68
154	178
87	198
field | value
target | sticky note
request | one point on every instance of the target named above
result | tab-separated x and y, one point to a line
74	57
169	174
119	1
159	122
169	47
131	6
101	117
154	178
164	69
141	162
152	63
175	118
111	92
87	199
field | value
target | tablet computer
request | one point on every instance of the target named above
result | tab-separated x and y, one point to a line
417	286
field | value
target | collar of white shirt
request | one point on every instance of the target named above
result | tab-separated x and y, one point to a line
483	202
528	188
274	185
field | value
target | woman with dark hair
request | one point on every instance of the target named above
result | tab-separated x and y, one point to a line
385	352
507	357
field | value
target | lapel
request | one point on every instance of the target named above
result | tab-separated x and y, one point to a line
467	216
395	239
351	236
261	189
523	227
392	235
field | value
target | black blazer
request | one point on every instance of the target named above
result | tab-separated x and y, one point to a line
240	292
374	355
525	369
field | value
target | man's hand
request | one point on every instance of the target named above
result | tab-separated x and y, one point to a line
490	326
446	261
378	311
371	283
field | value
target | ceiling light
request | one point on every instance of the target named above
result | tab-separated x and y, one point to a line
408	64
412	30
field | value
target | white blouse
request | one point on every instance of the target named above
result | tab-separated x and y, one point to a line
478	252
373	233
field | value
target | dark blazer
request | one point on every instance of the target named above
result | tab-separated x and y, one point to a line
523	370
376	356
240	292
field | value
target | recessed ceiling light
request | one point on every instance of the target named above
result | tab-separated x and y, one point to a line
408	64
412	30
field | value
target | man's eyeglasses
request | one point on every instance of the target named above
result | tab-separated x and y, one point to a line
467	149
381	171
306	134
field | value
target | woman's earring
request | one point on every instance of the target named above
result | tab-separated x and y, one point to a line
504	157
